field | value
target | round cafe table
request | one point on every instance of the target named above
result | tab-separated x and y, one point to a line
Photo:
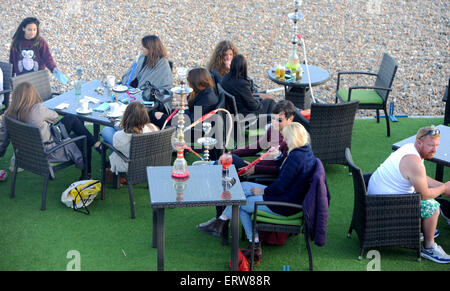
298	91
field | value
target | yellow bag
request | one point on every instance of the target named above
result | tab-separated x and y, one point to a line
80	194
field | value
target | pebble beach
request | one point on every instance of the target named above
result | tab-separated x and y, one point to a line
103	37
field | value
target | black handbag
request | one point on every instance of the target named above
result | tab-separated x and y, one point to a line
59	132
161	98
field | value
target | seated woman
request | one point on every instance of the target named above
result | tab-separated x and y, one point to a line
237	84
26	106
291	186
135	120
203	96
152	66
220	61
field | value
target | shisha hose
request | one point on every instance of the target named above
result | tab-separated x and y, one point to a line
307	68
208	115
169	118
243	170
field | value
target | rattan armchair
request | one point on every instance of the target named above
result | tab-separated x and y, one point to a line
7	84
371	97
147	149
447	104
383	220
31	155
330	128
40	80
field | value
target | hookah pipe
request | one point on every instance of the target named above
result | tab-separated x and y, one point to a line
208	115
307	68
244	169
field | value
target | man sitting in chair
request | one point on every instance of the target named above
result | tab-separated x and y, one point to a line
404	172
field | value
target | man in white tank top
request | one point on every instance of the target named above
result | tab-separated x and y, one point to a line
404	172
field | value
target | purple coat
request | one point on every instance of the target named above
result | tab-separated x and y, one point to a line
315	206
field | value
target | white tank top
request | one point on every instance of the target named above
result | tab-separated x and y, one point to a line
388	179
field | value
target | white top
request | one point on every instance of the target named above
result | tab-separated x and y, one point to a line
122	141
388	179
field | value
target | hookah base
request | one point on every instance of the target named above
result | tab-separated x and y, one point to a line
185	174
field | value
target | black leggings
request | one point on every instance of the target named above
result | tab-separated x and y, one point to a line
75	125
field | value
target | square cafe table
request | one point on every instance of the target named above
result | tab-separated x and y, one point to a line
204	187
442	156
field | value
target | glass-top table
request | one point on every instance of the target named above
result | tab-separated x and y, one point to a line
298	91
204	187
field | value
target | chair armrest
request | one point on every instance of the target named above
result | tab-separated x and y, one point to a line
394	201
5	91
275	203
365	88
352	73
261	178
113	149
69	141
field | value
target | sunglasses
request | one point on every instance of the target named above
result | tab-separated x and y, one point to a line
431	132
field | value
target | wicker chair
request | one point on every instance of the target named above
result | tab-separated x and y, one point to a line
372	97
294	224
7	84
330	128
383	220
447	105
40	80
147	149
31	155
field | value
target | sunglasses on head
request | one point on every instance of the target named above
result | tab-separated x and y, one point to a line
431	132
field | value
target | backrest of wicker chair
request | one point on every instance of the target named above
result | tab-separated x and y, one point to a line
28	147
7	83
39	79
360	192
386	75
330	129
149	149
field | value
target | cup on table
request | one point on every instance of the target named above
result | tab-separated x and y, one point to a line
77	84
110	81
84	105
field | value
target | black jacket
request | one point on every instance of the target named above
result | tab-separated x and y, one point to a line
207	99
241	90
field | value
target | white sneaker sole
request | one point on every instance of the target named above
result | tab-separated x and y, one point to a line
431	258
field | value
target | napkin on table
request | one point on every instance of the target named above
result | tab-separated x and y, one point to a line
103	107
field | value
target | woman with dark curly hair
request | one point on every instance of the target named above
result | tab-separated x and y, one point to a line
220	61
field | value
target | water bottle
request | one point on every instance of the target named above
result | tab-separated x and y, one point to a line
78	81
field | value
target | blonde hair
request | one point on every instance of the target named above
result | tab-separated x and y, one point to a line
427	130
295	135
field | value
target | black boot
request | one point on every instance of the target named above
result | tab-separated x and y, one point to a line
257	252
214	226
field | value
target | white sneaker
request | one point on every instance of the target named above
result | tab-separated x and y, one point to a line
435	254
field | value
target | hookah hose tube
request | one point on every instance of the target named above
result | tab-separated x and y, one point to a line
307	68
169	118
208	115
244	169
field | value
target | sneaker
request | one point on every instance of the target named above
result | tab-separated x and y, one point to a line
445	208
436	234
435	254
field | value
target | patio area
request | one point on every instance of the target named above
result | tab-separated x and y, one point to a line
107	239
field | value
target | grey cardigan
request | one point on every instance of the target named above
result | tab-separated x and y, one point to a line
160	76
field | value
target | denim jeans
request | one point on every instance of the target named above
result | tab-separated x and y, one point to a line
108	133
246	211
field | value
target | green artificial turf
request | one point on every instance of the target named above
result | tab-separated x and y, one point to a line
107	239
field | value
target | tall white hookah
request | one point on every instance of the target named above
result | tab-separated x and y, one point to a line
295	17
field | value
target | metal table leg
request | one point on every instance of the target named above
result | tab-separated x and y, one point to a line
160	238
234	237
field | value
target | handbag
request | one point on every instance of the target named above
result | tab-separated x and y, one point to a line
151	93
59	132
80	194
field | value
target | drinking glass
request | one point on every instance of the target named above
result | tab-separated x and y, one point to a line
226	160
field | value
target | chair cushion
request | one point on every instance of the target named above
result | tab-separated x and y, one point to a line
364	96
266	217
